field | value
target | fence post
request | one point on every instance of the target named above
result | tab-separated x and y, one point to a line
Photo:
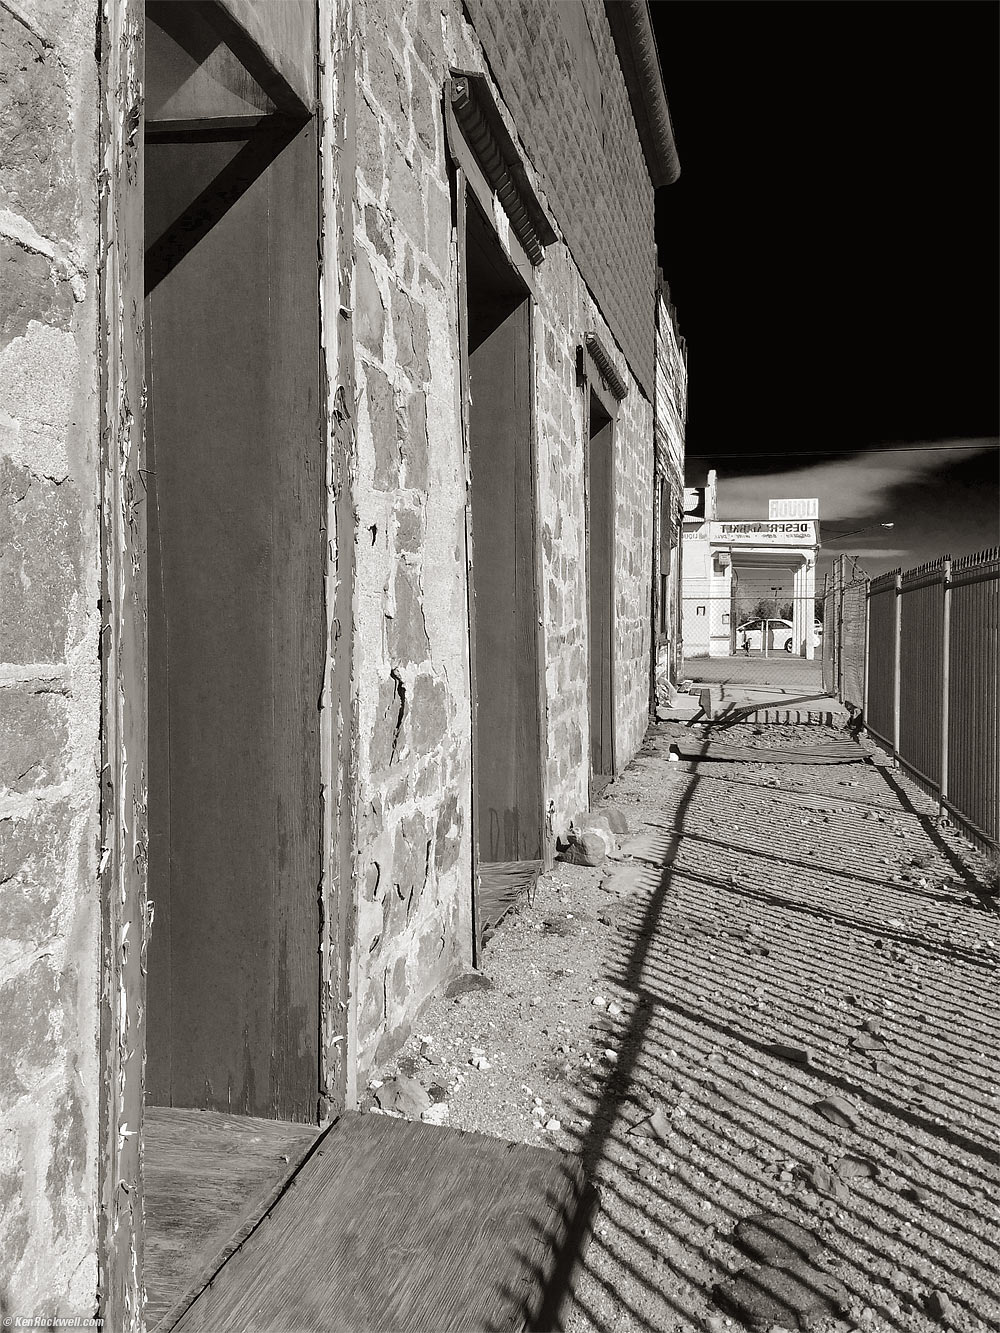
864	688
945	685
897	638
839	584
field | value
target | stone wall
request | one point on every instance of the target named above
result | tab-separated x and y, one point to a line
634	504
411	691
411	654
670	410
411	628
49	674
565	311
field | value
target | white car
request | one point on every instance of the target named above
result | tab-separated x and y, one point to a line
750	634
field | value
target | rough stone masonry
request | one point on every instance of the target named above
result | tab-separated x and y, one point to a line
49	676
388	278
414	797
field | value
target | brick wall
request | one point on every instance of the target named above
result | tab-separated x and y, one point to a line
671	392
49	676
589	162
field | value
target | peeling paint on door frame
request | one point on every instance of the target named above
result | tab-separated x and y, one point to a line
125	918
338	722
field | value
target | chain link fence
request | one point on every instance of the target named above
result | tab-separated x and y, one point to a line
754	634
844	615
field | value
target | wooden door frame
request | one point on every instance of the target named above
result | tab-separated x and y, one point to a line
468	178
126	917
122	864
594	378
486	161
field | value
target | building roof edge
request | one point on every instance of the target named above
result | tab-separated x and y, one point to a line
632	29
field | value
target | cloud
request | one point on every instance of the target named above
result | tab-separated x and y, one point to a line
876	552
942	499
858	487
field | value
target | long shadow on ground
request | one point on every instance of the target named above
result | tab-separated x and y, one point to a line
736	946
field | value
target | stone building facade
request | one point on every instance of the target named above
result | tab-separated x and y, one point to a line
435	607
671	417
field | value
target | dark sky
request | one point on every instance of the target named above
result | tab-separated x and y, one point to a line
832	245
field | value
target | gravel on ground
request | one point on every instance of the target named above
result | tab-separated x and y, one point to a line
769	1027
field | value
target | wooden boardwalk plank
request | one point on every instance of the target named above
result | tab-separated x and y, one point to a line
209	1178
394	1226
822	752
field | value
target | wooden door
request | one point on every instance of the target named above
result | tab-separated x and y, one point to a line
600	552
507	777
236	518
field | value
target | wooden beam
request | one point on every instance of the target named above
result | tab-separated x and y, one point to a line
275	42
203	129
471	107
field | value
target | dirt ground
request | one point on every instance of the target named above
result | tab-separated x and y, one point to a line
774	936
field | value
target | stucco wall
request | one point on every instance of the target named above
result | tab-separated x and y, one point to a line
412	656
49	675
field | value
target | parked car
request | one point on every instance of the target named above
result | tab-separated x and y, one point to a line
750	635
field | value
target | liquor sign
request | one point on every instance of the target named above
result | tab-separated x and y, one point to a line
764	532
777	509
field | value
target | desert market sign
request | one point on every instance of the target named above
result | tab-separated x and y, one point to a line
764	532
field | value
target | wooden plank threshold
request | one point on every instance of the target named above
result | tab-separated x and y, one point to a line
208	1178
395	1226
820	752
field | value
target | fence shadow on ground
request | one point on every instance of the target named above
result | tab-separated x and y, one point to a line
700	1007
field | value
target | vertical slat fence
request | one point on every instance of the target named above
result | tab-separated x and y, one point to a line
932	696
920	671
973	788
880	709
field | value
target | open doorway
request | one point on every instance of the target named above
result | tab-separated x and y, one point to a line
507	746
236	557
600	594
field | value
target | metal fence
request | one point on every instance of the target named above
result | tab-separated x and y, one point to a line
933	677
754	634
845	602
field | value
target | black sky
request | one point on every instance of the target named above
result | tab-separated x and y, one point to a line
831	244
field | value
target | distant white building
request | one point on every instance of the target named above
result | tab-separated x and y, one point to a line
719	553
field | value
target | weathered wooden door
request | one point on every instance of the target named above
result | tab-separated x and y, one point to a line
236	509
600	554
507	777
